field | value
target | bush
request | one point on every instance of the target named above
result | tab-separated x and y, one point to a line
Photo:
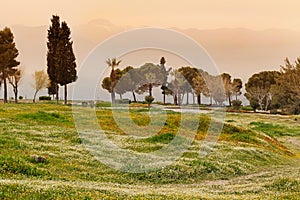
20	97
254	104
123	101
294	110
44	98
236	104
149	99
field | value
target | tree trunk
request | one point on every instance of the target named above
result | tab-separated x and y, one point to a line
16	94
56	89
133	94
66	94
175	99
113	98
34	96
150	89
5	90
199	99
187	98
181	101
193	98
121	97
164	98
229	100
210	100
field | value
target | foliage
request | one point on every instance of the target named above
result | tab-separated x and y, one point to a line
60	56
149	99
150	75
112	81
8	55
236	104
258	88
41	80
14	80
53	54
227	84
236	87
286	92
178	87
44	98
66	62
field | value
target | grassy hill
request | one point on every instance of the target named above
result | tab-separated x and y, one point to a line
256	157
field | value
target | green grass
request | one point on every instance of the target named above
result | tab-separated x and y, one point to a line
245	163
275	130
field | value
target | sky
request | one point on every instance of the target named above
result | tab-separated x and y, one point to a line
242	36
202	14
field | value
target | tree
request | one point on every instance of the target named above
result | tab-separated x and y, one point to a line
236	87
215	87
258	88
178	86
118	87
14	80
66	62
60	57
127	82
189	73
199	85
8	55
52	89
41	80
112	63
164	88
286	91
150	75
226	79
53	56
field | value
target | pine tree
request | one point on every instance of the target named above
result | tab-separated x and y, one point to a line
8	55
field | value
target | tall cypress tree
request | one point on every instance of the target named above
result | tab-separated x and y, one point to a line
53	54
8	55
60	58
67	65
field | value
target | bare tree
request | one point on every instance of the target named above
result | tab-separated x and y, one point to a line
41	80
14	80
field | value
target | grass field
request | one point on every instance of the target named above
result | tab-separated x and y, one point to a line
257	157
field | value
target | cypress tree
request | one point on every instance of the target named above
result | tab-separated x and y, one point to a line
67	65
60	58
53	54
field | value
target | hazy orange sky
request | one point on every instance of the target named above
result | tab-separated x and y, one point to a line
202	14
242	36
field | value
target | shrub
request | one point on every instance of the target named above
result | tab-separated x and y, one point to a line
44	98
123	101
20	97
236	104
254	104
149	99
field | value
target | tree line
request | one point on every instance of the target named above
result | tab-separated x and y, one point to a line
178	83
273	90
61	62
266	90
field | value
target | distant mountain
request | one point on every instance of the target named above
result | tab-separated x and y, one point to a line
238	51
